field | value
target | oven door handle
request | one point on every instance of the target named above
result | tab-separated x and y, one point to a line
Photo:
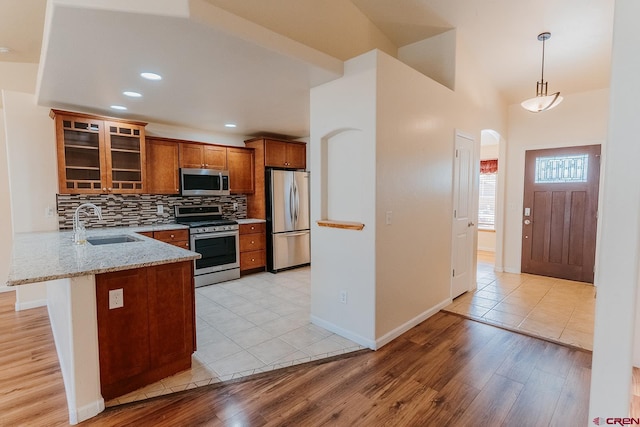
215	234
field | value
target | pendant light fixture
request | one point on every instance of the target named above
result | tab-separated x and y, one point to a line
542	101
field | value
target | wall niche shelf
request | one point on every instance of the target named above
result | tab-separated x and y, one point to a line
347	225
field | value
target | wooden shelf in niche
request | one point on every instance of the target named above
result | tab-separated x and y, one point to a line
347	225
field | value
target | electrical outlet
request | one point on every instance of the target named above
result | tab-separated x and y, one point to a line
343	297
388	217
116	298
48	212
160	209
235	206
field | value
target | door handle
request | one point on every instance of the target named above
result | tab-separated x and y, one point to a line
527	222
470	224
291	208
296	202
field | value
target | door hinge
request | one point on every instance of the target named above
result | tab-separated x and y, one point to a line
454	272
457	153
455	213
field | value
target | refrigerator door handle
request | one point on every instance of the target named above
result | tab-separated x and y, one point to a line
294	234
295	203
291	207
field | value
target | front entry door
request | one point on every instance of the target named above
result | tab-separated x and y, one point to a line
560	211
463	216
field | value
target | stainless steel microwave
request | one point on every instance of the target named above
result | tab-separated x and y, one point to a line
204	182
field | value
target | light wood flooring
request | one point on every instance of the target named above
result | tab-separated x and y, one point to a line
559	310
446	371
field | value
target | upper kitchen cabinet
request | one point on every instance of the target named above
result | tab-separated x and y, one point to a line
241	170
99	155
205	156
162	166
285	154
271	152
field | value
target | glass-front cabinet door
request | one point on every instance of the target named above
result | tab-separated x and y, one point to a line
125	159
81	167
99	156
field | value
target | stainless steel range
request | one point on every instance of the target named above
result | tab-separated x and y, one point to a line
216	239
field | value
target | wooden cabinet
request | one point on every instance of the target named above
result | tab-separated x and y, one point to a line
152	335
269	152
281	154
99	155
177	237
207	156
252	246
241	170
162	166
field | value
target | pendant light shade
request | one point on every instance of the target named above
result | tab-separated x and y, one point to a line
542	101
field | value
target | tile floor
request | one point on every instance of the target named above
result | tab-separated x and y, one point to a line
555	309
254	324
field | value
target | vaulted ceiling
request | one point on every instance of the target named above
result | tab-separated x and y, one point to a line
252	62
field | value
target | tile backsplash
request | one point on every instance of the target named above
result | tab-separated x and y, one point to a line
138	209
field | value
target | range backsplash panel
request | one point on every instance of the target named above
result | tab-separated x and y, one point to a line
127	210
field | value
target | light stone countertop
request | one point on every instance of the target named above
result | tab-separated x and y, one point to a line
250	220
41	256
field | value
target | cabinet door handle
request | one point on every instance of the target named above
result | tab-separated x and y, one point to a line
252	242
172	236
104	188
109	188
253	259
252	227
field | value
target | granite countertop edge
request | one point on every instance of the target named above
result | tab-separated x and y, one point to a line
51	255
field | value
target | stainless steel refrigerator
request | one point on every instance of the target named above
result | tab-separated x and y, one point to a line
288	242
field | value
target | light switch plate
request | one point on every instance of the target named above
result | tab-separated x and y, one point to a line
160	209
116	298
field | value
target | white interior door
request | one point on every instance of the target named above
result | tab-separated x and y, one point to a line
463	216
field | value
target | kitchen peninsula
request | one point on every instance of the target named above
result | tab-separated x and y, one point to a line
121	313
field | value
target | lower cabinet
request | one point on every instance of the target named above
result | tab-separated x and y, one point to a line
175	237
152	335
252	246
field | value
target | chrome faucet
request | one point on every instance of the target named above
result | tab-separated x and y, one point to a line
79	232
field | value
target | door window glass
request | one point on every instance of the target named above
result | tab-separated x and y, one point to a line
562	169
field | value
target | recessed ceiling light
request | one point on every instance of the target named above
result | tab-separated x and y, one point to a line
132	94
229	125
151	76
119	107
4	49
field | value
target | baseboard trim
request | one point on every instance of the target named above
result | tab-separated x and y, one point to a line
511	270
390	336
87	411
5	288
343	332
30	304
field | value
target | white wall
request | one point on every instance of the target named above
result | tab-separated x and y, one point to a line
619	249
15	77
344	260
581	119
434	57
32	176
417	120
398	274
6	234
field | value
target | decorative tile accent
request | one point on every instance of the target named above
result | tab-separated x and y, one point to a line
125	210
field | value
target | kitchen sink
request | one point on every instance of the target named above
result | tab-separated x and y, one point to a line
108	240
